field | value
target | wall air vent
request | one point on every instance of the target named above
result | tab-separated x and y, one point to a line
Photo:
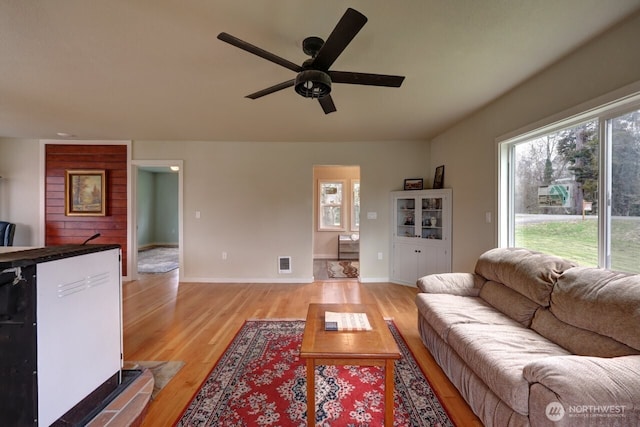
284	265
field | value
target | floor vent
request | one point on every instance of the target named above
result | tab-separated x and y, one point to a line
284	264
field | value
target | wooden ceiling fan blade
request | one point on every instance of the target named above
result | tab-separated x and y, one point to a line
234	41
327	104
349	25
271	89
365	79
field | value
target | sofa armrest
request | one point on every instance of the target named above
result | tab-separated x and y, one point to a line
591	390
463	284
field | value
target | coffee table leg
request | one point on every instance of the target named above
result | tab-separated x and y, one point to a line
388	392
311	392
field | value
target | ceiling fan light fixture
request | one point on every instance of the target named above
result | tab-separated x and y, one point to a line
314	77
313	84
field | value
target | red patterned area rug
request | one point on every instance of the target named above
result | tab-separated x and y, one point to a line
260	380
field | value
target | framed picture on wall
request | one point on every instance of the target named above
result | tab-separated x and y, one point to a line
438	179
85	193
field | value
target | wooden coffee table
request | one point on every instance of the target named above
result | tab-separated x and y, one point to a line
360	348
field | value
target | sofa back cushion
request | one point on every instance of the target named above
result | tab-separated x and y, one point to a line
531	274
513	304
578	341
602	301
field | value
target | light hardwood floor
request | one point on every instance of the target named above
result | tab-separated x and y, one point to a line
194	322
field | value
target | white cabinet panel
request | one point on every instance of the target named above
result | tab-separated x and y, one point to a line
79	329
405	263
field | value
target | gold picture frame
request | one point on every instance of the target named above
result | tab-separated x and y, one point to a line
85	193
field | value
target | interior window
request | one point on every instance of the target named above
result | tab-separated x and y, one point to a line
330	205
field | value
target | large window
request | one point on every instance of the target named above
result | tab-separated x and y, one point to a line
573	189
623	134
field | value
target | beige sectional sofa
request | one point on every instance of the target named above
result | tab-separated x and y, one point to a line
530	339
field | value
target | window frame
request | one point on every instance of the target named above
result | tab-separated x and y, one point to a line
341	205
602	109
355	218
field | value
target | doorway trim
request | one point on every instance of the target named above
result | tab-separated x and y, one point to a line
135	165
347	180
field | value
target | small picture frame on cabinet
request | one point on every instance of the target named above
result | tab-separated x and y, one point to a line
413	184
438	179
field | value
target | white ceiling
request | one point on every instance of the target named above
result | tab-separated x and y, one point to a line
154	69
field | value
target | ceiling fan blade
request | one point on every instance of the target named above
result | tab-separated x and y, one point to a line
271	89
349	25
327	104
365	79
258	51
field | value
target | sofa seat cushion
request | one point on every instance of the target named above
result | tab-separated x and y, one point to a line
498	353
442	311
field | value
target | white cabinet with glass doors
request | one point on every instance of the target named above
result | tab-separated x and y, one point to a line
421	240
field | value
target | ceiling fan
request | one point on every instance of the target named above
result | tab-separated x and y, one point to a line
314	78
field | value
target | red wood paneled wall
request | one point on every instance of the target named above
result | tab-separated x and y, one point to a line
61	229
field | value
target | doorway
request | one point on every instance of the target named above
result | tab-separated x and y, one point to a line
336	222
157	217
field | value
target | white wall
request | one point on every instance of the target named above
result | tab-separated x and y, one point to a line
255	199
20	189
256	202
469	149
